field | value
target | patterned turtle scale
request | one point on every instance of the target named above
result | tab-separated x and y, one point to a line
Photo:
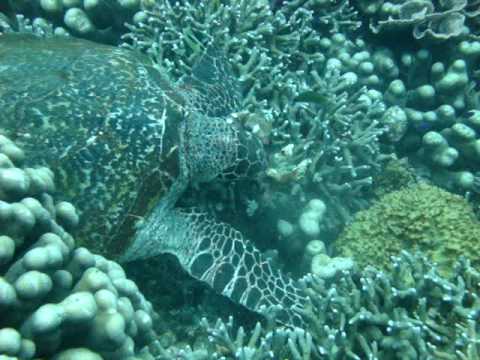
106	121
99	117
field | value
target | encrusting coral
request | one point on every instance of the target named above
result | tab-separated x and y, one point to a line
422	218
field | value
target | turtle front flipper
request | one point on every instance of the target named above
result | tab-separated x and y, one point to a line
212	145
217	254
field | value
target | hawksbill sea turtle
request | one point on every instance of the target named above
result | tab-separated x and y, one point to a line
124	143
96	115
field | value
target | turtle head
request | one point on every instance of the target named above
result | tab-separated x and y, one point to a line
214	141
218	147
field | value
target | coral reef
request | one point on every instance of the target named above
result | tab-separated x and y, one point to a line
422	218
330	16
408	312
226	341
426	19
422	90
328	110
320	125
51	290
431	99
424	101
99	20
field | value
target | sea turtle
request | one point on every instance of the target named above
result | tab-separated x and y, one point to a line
105	120
210	145
96	115
117	132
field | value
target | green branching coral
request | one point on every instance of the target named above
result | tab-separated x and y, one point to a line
334	16
417	218
226	341
338	150
258	42
408	312
320	124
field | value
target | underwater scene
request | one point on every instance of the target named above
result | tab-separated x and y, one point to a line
240	179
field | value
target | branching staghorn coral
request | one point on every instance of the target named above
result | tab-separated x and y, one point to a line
279	59
226	341
407	312
333	16
333	148
258	43
260	344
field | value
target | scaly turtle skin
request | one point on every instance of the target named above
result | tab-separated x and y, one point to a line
105	121
100	118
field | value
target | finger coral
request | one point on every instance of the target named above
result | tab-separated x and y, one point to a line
50	290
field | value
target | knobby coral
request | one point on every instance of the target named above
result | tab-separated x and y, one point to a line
416	218
49	288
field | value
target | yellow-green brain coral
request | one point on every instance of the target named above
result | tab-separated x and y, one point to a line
422	217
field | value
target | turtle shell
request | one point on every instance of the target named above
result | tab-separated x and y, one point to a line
100	117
